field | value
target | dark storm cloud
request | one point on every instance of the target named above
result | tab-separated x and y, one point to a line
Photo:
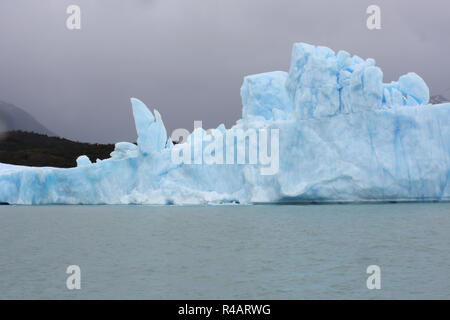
187	58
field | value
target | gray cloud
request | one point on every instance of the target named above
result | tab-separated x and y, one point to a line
187	58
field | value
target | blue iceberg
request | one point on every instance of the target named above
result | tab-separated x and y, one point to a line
341	135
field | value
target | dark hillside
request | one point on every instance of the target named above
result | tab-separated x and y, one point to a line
32	149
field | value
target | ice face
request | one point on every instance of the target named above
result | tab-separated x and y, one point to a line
152	136
344	135
123	150
83	161
264	97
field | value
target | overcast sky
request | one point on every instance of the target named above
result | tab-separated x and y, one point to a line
187	58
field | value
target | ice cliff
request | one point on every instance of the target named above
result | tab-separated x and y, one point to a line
342	134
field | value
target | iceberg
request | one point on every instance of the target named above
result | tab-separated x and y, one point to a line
342	135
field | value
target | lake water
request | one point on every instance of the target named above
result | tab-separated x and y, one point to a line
226	252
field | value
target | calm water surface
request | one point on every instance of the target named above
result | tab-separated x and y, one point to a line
225	252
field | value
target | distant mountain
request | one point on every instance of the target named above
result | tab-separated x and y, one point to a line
13	118
38	150
438	99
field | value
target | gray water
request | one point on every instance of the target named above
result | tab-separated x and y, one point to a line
225	252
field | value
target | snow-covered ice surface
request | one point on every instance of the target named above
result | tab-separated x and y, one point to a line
344	135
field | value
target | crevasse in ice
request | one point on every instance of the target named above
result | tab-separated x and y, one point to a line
344	135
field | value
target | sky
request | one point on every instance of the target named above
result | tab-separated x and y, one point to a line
187	59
